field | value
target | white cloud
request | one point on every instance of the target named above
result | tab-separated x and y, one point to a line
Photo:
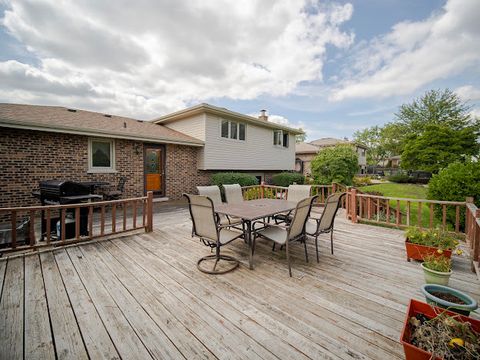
468	93
414	54
150	57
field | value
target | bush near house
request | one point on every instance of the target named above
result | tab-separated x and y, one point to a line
455	183
288	178
336	164
234	178
400	178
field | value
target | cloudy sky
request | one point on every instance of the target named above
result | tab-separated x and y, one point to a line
329	66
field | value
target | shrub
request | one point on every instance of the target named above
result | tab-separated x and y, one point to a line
455	183
362	181
288	178
234	178
400	178
336	164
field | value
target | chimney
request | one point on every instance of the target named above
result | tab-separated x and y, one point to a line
263	115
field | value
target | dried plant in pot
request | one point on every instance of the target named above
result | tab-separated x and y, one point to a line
420	243
437	269
433	333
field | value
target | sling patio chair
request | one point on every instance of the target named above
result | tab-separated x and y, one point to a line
295	193
283	234
212	234
325	224
213	192
233	193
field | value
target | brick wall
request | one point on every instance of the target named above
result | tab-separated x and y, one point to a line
27	157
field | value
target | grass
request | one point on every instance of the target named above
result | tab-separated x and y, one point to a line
410	191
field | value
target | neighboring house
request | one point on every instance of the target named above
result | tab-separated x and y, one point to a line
395	161
49	142
305	152
236	142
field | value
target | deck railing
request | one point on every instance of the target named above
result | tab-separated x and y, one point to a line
402	212
264	191
472	233
85	227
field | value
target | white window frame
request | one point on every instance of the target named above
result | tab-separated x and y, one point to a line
101	169
229	130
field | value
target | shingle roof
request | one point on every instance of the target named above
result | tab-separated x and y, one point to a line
305	148
329	142
61	119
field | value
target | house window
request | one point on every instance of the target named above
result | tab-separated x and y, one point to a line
285	139
277	137
280	138
101	155
233	130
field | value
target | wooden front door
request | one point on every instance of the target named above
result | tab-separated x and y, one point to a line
154	169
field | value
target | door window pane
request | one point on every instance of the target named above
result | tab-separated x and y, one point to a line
233	130
101	154
225	128
241	131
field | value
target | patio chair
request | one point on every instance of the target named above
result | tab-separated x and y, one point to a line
118	191
283	234
213	192
295	193
212	234
233	193
324	225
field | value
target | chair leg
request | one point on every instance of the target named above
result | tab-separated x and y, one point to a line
331	241
288	260
273	247
316	247
305	246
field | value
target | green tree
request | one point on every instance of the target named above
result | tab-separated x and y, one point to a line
373	138
437	146
335	164
434	130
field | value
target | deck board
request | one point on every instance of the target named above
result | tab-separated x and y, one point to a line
141	296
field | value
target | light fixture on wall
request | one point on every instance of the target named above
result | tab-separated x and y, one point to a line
138	149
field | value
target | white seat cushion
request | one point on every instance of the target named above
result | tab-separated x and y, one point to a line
274	233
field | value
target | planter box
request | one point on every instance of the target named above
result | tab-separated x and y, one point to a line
417	252
417	307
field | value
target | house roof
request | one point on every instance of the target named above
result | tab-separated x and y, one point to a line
305	148
326	142
225	113
81	122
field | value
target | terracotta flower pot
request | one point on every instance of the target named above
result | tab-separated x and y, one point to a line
436	277
417	307
418	252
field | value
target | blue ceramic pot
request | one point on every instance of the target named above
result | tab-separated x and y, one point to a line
464	309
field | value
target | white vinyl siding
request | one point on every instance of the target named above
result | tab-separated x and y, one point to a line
257	152
194	126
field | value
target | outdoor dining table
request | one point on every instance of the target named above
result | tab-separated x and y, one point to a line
252	210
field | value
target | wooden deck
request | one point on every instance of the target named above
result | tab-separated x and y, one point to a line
141	297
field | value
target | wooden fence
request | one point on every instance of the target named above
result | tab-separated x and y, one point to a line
111	215
264	191
472	233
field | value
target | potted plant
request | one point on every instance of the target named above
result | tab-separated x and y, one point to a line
448	298
420	243
437	269
433	333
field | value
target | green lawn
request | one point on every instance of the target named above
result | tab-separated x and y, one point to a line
410	191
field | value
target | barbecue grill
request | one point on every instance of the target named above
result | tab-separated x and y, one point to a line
62	192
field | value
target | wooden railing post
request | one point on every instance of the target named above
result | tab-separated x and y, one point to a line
334	188
149	227
262	189
353	206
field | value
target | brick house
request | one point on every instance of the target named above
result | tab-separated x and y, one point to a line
48	142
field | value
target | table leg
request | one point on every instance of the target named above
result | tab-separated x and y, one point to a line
250	243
